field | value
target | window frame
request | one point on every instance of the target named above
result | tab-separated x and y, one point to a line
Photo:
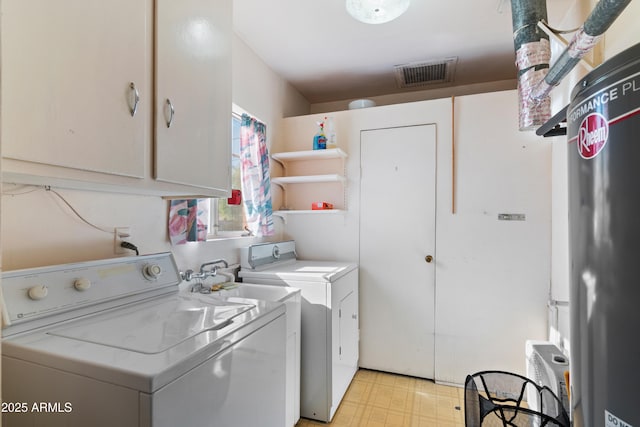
213	233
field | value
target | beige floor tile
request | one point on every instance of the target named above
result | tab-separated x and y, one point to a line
445	390
420	421
402	400
425	386
374	417
378	399
447	423
381	396
348	415
425	405
358	391
448	409
309	423
394	380
386	397
366	375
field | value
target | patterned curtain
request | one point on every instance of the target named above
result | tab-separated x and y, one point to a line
188	220
256	185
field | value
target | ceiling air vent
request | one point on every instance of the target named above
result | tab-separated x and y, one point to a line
425	73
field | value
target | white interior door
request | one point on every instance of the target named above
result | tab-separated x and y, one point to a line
397	234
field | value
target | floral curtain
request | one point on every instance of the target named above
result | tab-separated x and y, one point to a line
256	184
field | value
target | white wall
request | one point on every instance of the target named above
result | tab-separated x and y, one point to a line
622	34
420	95
492	277
492	290
38	229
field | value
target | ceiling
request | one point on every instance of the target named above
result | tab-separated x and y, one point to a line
328	56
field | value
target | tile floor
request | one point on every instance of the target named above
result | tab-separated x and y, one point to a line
377	399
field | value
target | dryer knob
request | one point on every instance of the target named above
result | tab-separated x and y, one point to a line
38	292
82	284
152	271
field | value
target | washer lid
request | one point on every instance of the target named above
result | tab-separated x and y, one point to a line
157	326
313	271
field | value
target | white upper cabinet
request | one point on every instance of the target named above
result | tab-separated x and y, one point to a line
193	93
70	72
86	87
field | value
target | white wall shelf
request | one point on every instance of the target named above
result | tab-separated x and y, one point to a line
318	162
292	156
323	212
307	179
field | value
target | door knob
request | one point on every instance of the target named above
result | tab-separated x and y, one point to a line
428	258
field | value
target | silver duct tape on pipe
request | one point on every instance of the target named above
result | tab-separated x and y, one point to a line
580	45
532	59
599	21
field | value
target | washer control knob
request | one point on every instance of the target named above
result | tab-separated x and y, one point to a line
152	271
82	284
38	292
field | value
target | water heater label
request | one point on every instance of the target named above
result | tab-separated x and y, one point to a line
611	420
590	120
592	135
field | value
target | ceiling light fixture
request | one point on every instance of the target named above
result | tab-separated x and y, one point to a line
376	11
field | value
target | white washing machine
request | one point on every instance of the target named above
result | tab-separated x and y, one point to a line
330	331
113	343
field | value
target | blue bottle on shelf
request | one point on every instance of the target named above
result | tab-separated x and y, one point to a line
320	139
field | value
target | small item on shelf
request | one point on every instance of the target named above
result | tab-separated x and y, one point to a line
320	139
332	139
320	206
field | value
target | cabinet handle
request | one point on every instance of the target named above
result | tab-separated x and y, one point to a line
136	99
171	112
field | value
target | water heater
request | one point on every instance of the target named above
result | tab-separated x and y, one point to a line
603	122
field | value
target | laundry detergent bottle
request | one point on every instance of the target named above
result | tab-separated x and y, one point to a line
320	139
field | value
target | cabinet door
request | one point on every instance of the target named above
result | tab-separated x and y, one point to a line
67	66
193	93
348	351
344	335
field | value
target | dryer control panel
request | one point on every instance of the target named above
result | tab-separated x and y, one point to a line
265	254
44	292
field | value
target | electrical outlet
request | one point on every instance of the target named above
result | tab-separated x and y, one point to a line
121	234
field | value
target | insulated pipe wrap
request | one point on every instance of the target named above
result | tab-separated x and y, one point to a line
533	54
599	21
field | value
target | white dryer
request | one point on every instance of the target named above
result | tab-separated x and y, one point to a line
113	343
330	331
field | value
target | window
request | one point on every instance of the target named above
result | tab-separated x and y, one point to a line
228	220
